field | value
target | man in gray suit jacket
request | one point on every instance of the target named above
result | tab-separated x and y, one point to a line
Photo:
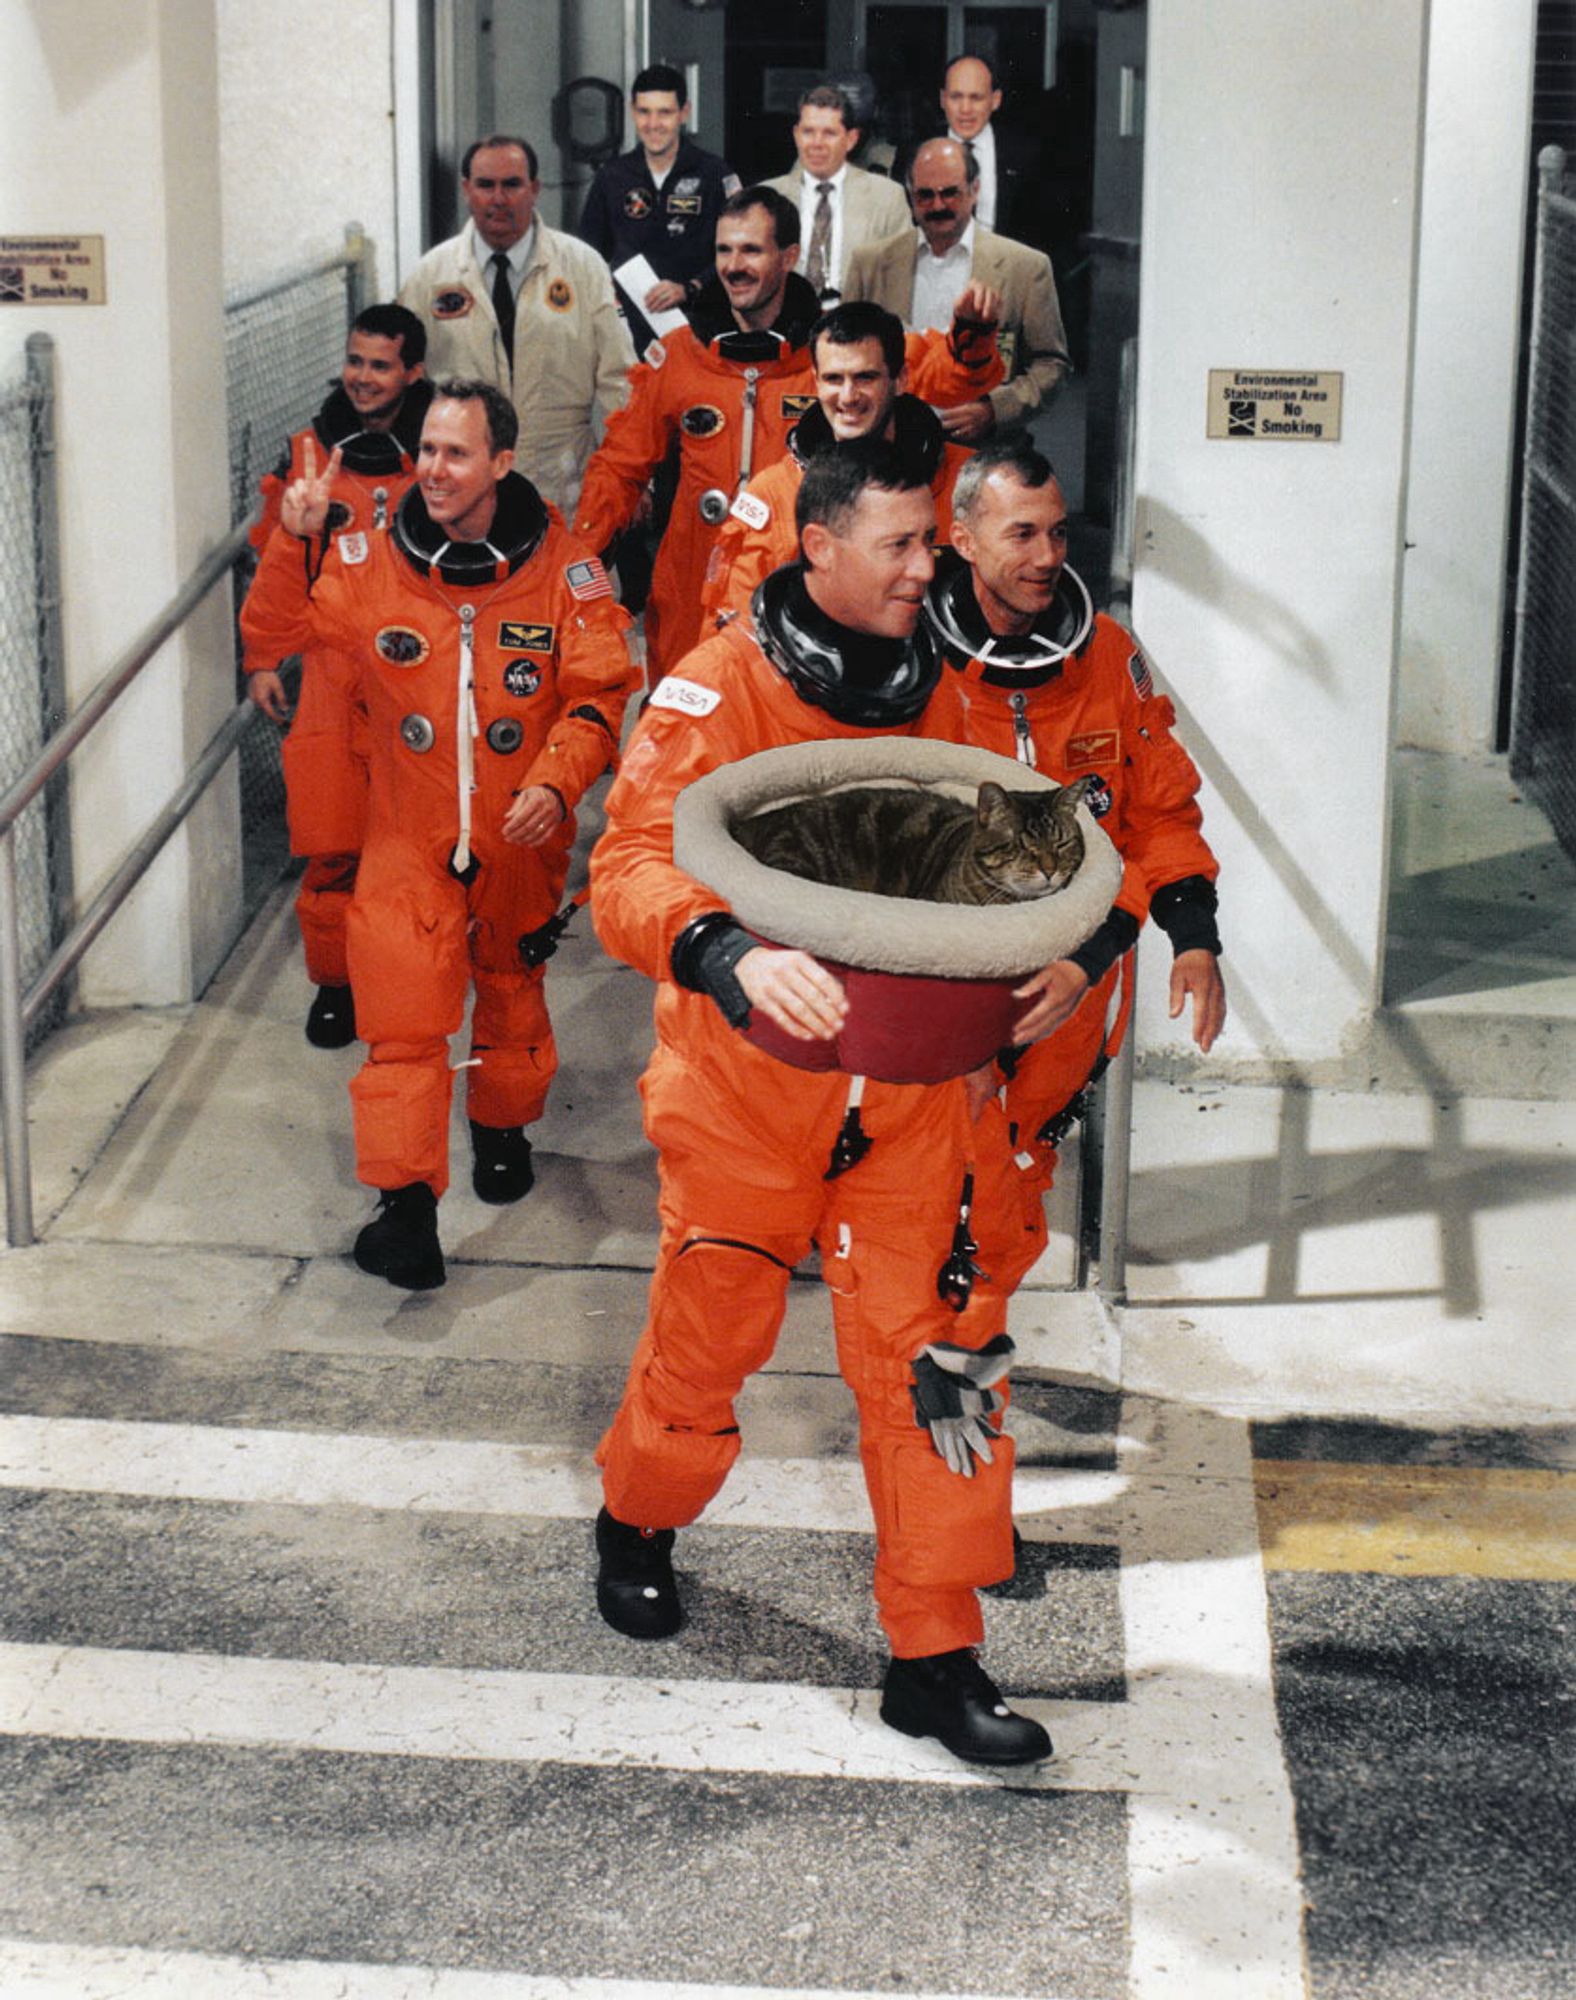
840	207
919	274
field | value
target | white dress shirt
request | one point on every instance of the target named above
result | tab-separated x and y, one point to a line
518	254
985	153
939	280
809	201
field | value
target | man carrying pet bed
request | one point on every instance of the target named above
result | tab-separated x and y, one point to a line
751	1171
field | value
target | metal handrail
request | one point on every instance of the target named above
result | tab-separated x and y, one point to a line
120	676
1102	1234
18	1010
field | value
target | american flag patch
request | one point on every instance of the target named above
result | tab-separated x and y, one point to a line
1138	667
588	579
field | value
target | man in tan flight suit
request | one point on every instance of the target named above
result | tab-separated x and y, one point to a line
529	309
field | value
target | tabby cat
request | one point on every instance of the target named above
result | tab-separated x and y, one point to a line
896	840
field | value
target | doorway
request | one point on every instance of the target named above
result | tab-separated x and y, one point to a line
1070	73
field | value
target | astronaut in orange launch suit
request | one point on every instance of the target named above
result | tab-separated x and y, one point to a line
494	671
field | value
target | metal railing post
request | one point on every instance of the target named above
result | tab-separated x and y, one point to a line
1091	1188
1116	1101
358	270
1105	1159
13	1059
40	351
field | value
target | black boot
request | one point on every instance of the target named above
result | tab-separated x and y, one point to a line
951	1697
502	1169
635	1589
331	1019
400	1243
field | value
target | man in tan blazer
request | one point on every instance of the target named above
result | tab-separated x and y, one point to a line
919	273
840	207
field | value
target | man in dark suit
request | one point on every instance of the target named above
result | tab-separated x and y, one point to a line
919	275
1012	181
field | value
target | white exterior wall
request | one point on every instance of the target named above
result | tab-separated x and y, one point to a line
1475	180
306	99
1280	221
112	131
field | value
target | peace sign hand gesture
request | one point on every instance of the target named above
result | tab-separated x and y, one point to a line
304	504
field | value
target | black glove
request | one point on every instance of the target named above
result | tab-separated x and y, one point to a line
953	1395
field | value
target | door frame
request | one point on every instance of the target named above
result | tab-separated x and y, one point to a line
955	11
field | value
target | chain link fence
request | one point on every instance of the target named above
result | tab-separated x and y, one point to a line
284	344
32	679
1543	716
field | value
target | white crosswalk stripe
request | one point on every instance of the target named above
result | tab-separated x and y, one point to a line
87	1972
577	1718
313	1469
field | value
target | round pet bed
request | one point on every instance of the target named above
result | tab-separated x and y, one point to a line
929	984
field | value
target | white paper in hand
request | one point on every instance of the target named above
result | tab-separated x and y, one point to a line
637	278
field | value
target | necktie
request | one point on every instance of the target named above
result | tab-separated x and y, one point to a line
973	159
503	302
820	238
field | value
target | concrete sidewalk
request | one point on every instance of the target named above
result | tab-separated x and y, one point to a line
1383	1254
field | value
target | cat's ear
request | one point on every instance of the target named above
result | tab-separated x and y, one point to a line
1075	793
994	808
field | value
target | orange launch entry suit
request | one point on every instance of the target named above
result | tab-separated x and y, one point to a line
503	668
1094	714
324	762
729	400
745	1145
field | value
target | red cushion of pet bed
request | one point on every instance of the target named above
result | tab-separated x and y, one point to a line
903	1027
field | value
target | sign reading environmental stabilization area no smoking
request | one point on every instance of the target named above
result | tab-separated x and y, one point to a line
1280	404
51	270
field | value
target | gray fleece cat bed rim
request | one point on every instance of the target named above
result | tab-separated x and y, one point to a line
885	933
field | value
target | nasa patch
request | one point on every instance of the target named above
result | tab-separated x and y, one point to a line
521	678
516	636
701	420
637	204
751	509
401	647
560	296
454	303
1098	797
688	697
